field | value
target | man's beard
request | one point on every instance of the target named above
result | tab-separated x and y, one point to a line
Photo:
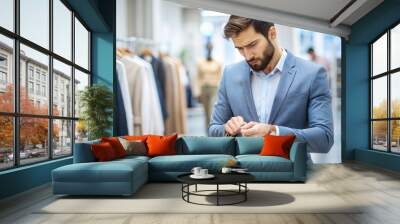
265	60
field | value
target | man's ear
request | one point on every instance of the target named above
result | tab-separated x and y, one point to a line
272	33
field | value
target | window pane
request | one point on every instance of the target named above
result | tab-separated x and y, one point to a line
62	89
81	81
6	74
35	21
62	29
379	135
33	139
395	47
395	132
6	142
81	131
7	14
62	138
81	45
34	72
379	55
379	100
395	94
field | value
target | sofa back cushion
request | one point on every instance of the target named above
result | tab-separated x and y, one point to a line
249	145
161	145
196	145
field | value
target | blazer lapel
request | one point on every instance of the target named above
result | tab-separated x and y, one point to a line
285	82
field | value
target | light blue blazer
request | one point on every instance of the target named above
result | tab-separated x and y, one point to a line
302	105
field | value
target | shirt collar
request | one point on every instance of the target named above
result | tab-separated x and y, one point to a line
278	67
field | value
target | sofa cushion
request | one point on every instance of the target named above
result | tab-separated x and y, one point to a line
277	145
116	145
111	171
196	145
161	145
103	152
135	137
132	158
134	147
257	163
185	163
249	145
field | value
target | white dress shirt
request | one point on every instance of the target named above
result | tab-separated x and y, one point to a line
264	89
126	97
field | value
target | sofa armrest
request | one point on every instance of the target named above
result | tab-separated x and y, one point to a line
298	155
83	152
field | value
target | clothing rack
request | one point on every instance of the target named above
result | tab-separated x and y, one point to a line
137	43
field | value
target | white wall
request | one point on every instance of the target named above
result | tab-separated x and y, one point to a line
122	18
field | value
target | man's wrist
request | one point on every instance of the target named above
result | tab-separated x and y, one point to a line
273	130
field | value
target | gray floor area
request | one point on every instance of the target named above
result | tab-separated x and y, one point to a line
377	189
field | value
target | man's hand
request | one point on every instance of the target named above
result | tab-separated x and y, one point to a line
253	129
232	127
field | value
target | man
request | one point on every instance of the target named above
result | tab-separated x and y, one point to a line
272	91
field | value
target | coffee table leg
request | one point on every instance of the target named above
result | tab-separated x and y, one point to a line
245	193
188	189
217	194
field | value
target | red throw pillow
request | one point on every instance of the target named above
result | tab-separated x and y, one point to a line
116	145
277	145
103	152
136	137
161	145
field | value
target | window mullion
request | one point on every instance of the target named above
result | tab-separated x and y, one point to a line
16	83
50	81
389	106
73	83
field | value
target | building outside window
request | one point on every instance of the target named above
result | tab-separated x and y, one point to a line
3	72
30	87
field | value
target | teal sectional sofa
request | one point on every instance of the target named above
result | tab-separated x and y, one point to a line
125	176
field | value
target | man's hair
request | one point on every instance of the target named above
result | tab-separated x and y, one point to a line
310	50
236	24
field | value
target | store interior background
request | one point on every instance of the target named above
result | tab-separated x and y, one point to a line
183	33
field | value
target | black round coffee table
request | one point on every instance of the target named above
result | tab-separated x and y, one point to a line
238	179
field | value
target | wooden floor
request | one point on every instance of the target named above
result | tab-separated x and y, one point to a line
378	188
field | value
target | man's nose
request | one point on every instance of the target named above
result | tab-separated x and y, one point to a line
247	55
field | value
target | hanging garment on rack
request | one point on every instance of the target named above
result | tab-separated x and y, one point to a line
124	108
175	97
144	97
153	122
159	75
182	96
122	125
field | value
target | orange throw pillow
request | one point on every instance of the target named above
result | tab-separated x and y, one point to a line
161	145
116	145
277	145
136	137
103	152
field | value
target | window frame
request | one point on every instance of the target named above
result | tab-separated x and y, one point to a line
16	114
388	74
